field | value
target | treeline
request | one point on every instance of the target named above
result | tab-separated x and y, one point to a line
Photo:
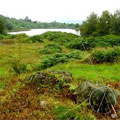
12	24
105	24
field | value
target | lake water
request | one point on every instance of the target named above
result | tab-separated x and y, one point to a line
40	31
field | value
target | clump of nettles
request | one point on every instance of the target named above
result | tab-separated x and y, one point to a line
53	80
59	58
51	48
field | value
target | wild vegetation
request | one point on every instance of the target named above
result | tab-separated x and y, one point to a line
13	24
105	24
39	74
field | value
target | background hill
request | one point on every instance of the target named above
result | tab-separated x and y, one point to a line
13	24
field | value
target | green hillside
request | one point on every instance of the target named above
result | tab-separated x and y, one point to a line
13	24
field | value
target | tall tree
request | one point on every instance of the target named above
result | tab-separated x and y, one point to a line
104	24
115	23
89	27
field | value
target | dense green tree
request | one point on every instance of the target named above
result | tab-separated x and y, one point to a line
27	19
2	25
104	24
89	27
115	23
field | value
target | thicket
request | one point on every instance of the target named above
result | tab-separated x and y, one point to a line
105	24
17	36
2	26
92	42
52	60
36	38
108	56
59	37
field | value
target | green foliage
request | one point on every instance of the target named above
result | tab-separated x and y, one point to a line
115	23
89	27
82	43
106	24
59	37
3	36
20	37
110	55
59	58
2	25
51	48
92	42
74	113
36	38
13	24
19	68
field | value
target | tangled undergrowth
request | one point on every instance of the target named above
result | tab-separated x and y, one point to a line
48	96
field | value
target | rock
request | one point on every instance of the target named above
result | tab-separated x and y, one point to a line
42	80
101	98
83	91
51	79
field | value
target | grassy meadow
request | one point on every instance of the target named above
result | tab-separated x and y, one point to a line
22	56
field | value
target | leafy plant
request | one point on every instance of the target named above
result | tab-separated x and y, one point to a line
36	38
74	113
110	55
88	43
59	58
51	48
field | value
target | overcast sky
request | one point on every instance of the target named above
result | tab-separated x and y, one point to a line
50	10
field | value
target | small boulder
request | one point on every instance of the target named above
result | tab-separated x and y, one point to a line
51	79
83	91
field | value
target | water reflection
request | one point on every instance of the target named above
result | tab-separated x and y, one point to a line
40	31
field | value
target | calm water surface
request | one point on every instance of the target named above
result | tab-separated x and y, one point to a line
40	31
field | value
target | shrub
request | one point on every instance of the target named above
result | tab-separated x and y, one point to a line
36	38
109	55
107	41
13	38
60	37
18	68
18	36
59	58
82	44
51	48
74	113
92	42
5	36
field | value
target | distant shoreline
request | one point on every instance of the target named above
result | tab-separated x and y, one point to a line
37	31
8	31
